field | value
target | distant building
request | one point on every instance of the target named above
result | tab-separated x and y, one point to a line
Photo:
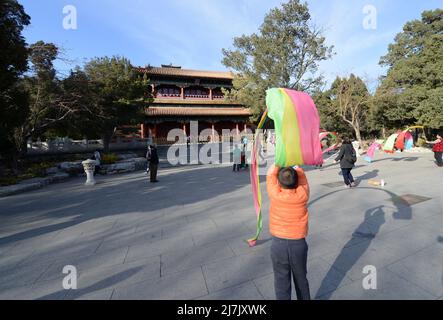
182	96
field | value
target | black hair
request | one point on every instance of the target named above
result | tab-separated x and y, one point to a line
346	140
287	177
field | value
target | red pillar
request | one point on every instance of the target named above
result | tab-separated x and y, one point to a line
210	93
142	131
213	131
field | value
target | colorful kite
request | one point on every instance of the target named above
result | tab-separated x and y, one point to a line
297	126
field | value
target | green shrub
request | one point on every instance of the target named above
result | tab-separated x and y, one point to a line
37	169
109	158
9	181
422	143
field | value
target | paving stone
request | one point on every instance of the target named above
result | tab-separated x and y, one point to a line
265	285
185	285
95	295
84	263
236	270
129	239
23	275
240	246
182	260
189	228
408	240
336	184
351	260
409	199
104	278
245	291
424	269
142	251
389	287
52	253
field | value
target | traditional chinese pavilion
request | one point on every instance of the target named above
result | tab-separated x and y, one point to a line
182	95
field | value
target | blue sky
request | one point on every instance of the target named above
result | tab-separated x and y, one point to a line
191	33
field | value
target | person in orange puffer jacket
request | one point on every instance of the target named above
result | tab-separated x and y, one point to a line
288	191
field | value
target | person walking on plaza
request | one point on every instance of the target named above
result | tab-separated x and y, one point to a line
288	191
347	158
438	149
153	163
236	155
148	156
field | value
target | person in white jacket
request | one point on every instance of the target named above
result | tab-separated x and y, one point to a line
98	159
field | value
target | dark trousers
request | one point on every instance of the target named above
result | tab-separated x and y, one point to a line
438	158
236	167
153	171
289	258
347	176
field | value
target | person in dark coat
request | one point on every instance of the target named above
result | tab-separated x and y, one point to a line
153	163
347	158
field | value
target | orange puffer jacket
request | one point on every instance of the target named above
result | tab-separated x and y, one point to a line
288	212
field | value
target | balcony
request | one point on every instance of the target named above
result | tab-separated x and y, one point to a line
197	96
167	95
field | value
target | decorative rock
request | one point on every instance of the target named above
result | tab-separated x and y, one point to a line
127	156
71	167
52	170
140	163
120	167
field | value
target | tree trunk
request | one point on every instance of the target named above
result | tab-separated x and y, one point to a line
357	133
106	141
14	163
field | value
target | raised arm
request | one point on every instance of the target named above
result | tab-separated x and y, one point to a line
303	185
433	142
272	181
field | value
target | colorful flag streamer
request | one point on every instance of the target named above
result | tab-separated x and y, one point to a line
329	135
297	128
371	151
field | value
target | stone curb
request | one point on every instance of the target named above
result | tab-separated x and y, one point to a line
32	184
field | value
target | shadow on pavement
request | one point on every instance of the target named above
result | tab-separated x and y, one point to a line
110	198
101	285
375	218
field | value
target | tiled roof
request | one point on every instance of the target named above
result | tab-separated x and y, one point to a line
171	71
192	111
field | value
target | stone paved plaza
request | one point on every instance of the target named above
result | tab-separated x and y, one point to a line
183	238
